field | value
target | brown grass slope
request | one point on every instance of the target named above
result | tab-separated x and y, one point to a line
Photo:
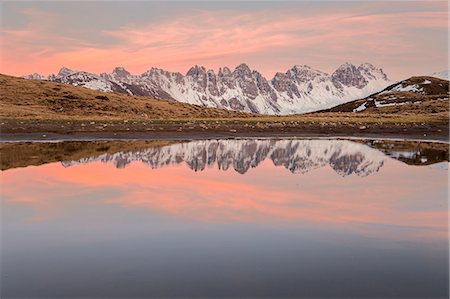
432	100
35	99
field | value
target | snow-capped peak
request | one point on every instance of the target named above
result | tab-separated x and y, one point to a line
243	67
196	71
224	72
120	72
242	71
65	72
304	73
348	75
369	71
346	66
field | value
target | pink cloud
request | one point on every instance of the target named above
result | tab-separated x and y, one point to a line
215	196
216	39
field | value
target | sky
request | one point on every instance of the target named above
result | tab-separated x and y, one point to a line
405	38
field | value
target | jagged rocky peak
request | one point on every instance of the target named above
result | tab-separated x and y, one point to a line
212	83
348	75
368	66
246	81
211	73
226	78
263	85
242	71
196	71
281	82
224	72
258	76
288	83
64	71
370	71
120	72
152	71
199	76
304	73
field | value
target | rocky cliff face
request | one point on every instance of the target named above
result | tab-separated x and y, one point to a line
299	89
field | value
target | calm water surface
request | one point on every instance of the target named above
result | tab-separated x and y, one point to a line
225	218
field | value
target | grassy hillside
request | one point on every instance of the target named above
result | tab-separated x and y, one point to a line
35	99
417	95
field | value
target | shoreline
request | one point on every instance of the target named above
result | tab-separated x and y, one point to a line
54	130
123	136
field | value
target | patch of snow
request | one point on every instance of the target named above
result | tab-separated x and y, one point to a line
426	82
413	88
383	104
404	154
361	107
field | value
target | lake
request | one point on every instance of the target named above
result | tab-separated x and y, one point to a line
295	218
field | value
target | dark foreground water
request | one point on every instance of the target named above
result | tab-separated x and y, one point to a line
225	218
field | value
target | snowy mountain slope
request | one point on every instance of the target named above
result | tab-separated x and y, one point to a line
35	76
298	90
441	75
314	90
298	156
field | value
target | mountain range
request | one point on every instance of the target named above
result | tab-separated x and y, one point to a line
298	90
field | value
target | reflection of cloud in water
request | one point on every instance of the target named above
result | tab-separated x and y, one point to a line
399	196
298	156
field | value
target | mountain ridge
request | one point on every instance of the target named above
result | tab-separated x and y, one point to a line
298	90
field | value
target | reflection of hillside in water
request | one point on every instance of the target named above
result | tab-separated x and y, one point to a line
412	152
298	156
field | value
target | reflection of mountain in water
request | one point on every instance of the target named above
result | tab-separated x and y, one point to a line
298	156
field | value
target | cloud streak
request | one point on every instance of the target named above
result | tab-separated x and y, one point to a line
267	41
364	205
